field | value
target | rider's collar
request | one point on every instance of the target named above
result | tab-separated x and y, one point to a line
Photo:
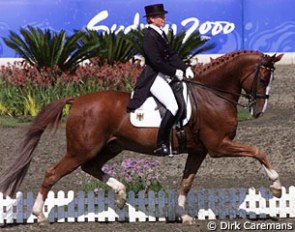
157	29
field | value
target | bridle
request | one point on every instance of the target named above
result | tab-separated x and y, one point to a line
252	95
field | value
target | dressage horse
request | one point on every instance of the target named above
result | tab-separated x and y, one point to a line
98	128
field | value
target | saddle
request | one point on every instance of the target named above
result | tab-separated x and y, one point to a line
150	113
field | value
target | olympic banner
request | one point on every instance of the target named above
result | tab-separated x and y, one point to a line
269	25
265	25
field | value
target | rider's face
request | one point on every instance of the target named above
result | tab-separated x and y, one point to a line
158	20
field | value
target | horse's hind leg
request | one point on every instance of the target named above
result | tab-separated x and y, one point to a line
65	166
93	167
193	162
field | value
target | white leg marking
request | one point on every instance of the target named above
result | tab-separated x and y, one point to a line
180	206
113	183
38	208
276	184
276	187
272	174
180	210
119	189
39	203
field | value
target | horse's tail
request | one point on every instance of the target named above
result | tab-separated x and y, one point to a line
12	177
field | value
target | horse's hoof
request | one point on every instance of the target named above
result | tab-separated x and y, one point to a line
188	220
43	223
120	199
276	192
120	203
41	219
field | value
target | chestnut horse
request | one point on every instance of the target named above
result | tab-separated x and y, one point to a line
98	128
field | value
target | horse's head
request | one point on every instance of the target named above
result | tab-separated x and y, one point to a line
251	71
259	83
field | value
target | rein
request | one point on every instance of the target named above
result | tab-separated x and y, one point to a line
250	96
217	91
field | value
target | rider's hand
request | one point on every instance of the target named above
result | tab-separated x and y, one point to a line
189	74
179	74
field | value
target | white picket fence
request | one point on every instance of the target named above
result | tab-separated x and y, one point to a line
204	204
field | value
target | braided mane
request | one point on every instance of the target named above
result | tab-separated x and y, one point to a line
219	61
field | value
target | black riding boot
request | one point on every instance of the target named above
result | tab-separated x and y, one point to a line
164	134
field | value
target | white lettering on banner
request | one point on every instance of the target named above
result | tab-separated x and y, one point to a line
96	19
92	25
213	27
216	27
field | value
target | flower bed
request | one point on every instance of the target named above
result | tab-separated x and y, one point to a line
24	90
135	174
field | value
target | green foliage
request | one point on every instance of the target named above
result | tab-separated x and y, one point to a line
136	38
244	114
113	48
45	48
31	107
4	110
29	100
59	52
12	122
11	100
96	186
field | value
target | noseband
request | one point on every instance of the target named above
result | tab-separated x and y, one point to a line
253	95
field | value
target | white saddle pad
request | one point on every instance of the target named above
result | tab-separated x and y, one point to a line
149	116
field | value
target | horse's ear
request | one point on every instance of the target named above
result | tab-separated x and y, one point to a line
277	58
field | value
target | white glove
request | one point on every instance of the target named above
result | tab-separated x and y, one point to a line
179	74
189	74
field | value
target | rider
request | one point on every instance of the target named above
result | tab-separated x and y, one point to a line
161	63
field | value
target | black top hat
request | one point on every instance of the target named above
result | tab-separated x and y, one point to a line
154	10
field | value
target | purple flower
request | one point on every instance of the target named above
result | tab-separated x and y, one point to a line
96	190
133	172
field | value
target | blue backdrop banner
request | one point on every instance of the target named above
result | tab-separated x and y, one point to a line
265	25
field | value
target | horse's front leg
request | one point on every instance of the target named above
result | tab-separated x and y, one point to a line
229	148
192	165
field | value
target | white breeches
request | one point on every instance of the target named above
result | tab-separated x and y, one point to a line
163	92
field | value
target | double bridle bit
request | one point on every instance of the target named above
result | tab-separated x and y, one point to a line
253	96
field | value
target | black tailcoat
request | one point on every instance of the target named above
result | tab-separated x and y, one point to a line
158	58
